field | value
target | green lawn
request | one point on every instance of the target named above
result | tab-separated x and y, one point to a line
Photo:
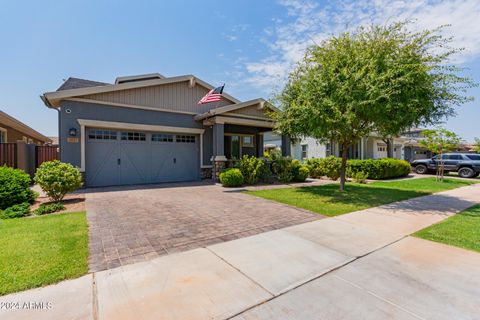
328	201
42	250
461	230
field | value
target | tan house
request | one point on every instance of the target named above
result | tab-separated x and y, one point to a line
12	130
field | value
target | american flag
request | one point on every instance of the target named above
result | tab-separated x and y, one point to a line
213	95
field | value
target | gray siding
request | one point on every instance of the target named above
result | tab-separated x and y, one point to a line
252	111
70	152
176	96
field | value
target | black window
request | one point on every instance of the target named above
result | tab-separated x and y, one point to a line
133	136
475	157
185	139
161	137
452	157
304	151
96	134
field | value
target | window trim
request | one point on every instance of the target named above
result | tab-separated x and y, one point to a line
304	151
185	138
247	145
127	133
164	137
103	135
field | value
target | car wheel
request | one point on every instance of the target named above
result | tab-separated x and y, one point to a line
466	172
421	169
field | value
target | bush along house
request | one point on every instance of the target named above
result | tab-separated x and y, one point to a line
152	129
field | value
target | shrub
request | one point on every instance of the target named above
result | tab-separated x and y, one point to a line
332	166
284	169
379	168
360	177
272	155
253	169
16	211
45	208
316	168
231	178
302	173
14	187
329	167
57	179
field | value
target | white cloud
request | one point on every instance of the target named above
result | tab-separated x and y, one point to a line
311	22
231	37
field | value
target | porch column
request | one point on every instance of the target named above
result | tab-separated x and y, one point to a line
218	150
259	143
286	146
362	148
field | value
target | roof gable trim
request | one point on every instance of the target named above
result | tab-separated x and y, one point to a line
216	111
52	99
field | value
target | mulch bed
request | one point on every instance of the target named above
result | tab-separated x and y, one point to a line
72	203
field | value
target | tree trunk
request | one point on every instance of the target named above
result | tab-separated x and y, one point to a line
389	144
389	148
344	166
440	167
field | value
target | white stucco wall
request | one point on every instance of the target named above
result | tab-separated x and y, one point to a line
315	149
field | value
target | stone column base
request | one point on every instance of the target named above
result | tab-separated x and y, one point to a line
218	165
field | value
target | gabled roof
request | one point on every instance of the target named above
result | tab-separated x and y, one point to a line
76	83
52	99
232	107
21	127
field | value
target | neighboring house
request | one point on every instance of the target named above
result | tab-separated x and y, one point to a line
150	129
12	130
371	147
413	149
54	141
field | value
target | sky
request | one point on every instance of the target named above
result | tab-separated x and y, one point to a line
249	45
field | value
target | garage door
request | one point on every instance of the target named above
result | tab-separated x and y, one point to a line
116	157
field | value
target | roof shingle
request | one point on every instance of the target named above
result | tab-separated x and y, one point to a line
76	83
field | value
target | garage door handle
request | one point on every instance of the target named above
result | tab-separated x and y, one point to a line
174	160
118	161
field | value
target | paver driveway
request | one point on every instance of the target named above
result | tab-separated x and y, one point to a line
136	224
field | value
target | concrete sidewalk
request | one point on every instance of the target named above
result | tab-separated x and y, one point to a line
361	265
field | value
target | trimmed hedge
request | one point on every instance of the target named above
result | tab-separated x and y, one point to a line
378	169
375	169
14	187
231	177
329	167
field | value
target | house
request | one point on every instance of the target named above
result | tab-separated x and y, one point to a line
151	129
12	130
370	147
413	149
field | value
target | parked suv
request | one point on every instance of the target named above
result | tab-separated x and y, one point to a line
466	164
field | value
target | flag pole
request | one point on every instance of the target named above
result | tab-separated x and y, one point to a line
219	101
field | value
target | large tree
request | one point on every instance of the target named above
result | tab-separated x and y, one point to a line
382	79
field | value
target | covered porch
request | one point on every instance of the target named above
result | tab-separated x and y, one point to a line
237	130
